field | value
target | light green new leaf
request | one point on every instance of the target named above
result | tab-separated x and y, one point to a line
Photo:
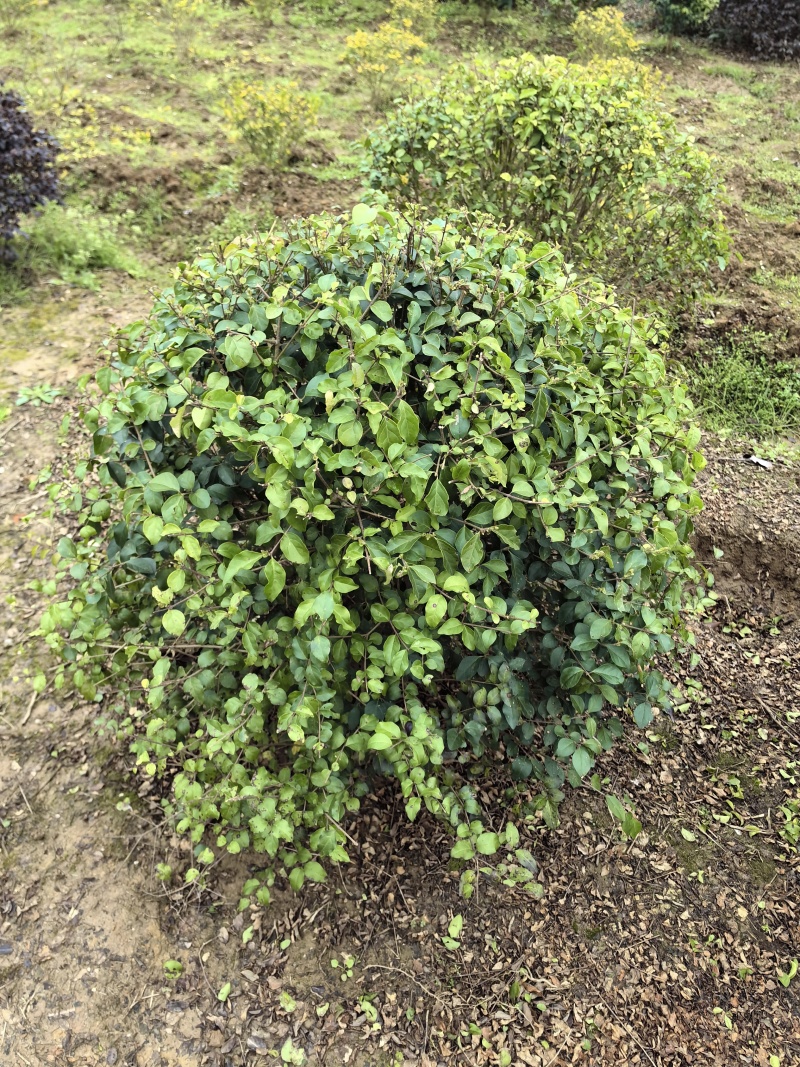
238	351
242	561
582	761
437	499
274	579
174	622
363	214
462	850
488	843
164	482
293	548
435	610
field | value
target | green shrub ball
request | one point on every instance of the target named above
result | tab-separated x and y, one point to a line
387	497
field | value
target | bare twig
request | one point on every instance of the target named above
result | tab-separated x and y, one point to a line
405	974
142	997
23	721
339	827
27	805
11	426
28	500
631	1032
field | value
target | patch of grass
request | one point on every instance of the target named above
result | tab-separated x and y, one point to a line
693	856
667	45
70	243
787	284
757	82
725	761
735	71
744	389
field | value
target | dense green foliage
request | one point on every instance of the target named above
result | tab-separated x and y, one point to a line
685	16
585	156
376	497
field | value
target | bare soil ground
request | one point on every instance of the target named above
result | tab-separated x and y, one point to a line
667	950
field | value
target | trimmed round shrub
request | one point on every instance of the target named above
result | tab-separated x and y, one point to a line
27	168
376	497
685	16
585	156
766	28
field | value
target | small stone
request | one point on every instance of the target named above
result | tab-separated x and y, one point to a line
112	1056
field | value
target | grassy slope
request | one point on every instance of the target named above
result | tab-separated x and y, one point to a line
136	98
748	116
152	175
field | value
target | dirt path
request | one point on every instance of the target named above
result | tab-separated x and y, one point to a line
84	932
667	950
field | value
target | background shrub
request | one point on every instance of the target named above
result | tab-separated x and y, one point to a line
266	10
382	59
418	16
27	168
585	156
767	28
684	16
272	120
371	492
14	12
602	33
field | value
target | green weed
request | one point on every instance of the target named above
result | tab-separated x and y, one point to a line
70	243
742	388
35	395
755	82
727	70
